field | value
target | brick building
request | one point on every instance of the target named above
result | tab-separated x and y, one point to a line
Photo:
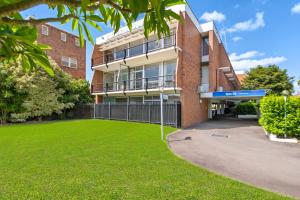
187	66
65	49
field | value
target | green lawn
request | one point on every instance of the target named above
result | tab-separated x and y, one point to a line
94	159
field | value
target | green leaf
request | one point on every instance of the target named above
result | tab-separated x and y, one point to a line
95	18
94	24
81	35
74	23
87	33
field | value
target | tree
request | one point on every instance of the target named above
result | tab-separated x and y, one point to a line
18	35
76	91
43	98
271	77
36	94
10	98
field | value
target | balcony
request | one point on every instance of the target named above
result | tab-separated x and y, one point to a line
142	84
145	48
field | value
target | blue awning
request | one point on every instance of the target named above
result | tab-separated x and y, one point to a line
240	93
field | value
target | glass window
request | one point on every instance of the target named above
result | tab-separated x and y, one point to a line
151	99
63	37
133	100
169	73
69	62
109	81
45	30
170	40
120	53
152	75
153	43
205	46
121	100
136	48
77	42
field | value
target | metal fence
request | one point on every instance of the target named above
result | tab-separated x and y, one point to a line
147	113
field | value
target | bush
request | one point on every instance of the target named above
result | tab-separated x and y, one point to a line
273	119
246	108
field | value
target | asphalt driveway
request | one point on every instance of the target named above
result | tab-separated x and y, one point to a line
240	149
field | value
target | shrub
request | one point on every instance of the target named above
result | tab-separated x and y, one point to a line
246	108
273	118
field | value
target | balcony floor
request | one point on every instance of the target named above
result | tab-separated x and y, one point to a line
153	57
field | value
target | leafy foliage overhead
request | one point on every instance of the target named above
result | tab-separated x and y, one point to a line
18	36
271	77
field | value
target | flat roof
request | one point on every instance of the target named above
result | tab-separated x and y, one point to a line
202	28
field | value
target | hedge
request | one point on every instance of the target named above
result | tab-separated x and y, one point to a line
246	108
272	116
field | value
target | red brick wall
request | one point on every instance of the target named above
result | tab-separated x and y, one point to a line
218	58
61	48
225	62
194	109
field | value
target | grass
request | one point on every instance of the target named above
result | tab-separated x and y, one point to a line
94	159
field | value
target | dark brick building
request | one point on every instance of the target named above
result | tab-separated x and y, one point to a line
66	50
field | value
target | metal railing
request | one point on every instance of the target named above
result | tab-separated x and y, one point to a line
138	112
140	49
153	82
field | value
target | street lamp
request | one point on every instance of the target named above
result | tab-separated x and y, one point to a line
285	94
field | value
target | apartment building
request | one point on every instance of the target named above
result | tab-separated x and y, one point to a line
187	67
65	49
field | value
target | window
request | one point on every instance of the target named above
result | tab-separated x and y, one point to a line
63	37
152	75
69	62
77	42
151	99
169	73
205	46
45	30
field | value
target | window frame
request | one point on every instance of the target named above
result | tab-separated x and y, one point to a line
77	42
64	39
45	30
70	61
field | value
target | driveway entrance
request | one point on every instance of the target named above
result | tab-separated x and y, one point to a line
240	149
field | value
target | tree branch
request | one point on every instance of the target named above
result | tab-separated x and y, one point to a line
33	21
9	9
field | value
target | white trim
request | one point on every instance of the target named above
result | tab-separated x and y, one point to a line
69	61
77	42
45	30
63	36
274	138
143	91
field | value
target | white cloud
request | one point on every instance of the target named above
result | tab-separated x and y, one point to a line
250	63
249	25
236	39
246	55
296	9
213	16
249	59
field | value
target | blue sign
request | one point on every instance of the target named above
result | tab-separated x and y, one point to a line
241	93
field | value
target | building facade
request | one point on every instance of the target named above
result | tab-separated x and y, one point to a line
65	50
186	67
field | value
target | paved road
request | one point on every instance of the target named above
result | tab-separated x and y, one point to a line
240	149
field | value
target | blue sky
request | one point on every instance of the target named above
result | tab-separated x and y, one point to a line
253	31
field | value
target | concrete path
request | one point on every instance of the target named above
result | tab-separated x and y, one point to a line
240	149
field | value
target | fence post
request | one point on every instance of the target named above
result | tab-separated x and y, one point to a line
109	110
149	113
127	110
94	111
175	103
